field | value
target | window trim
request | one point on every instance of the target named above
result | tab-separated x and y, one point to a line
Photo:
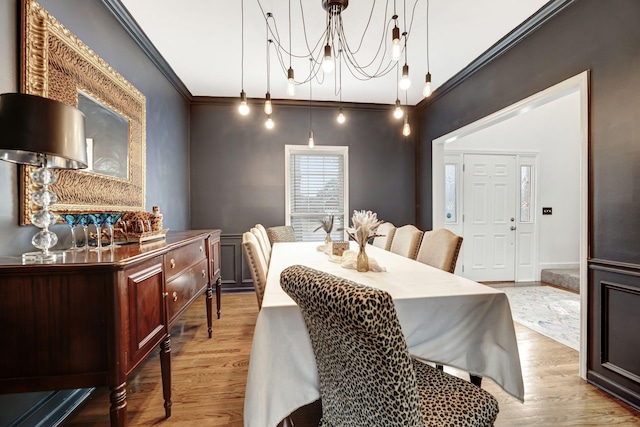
318	149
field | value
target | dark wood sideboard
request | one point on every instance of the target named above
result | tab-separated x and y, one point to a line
91	319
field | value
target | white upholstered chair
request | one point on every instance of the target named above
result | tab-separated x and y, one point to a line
386	230
263	231
257	264
406	241
440	249
265	247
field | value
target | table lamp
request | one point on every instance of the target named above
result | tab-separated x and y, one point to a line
49	134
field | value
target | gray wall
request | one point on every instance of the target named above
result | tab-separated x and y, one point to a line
167	178
237	173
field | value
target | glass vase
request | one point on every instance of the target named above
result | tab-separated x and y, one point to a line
362	261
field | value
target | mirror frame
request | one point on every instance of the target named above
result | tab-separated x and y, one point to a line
56	64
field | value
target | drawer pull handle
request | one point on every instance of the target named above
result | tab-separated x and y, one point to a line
204	273
173	263
165	294
175	296
201	249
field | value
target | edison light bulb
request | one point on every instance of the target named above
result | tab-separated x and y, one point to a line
396	48
243	108
404	81
341	118
406	129
269	123
291	87
268	107
327	63
311	141
426	91
398	113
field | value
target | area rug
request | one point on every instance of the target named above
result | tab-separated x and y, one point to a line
550	311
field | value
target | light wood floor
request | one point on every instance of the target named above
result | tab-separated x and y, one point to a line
209	379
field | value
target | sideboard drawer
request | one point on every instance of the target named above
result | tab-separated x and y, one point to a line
179	259
184	287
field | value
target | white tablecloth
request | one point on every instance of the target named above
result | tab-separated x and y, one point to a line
445	318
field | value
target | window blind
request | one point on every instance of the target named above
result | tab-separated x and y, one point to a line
317	189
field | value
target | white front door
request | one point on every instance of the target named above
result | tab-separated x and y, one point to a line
489	220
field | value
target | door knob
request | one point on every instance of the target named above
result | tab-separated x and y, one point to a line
513	227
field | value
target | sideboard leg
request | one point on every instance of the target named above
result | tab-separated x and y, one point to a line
209	293
218	292
118	410
165	366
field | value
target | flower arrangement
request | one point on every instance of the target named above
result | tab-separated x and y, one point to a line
365	224
327	225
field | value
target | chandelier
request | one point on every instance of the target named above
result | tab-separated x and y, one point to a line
332	52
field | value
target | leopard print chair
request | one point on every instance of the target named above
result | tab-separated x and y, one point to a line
281	233
366	375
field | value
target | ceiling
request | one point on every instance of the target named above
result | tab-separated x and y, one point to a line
202	41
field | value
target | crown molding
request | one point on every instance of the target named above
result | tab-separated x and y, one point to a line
535	21
229	101
120	12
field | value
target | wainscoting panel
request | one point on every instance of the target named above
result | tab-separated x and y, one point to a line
614	342
236	276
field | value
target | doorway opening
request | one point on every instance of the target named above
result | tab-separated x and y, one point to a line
578	86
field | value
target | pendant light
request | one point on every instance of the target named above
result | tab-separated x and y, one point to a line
405	83
396	48
311	141
426	91
269	124
341	118
406	129
397	112
291	87
243	108
268	107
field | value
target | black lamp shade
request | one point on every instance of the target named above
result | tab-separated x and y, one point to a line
31	126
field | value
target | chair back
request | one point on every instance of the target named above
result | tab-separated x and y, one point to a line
440	249
257	264
264	246
281	233
406	241
265	236
364	368
386	230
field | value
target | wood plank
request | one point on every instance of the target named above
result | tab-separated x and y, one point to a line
209	377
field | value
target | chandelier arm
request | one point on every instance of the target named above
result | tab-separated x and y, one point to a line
306	40
351	60
366	28
375	57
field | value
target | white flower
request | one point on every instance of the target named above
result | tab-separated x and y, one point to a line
364	226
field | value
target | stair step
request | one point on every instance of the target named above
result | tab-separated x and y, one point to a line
564	278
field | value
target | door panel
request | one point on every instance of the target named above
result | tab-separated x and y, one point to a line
490	210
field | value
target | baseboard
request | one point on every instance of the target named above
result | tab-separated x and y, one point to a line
616	390
53	409
559	266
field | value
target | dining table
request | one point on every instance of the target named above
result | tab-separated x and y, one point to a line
445	318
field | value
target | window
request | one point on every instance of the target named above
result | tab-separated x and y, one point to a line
526	177
450	193
317	183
